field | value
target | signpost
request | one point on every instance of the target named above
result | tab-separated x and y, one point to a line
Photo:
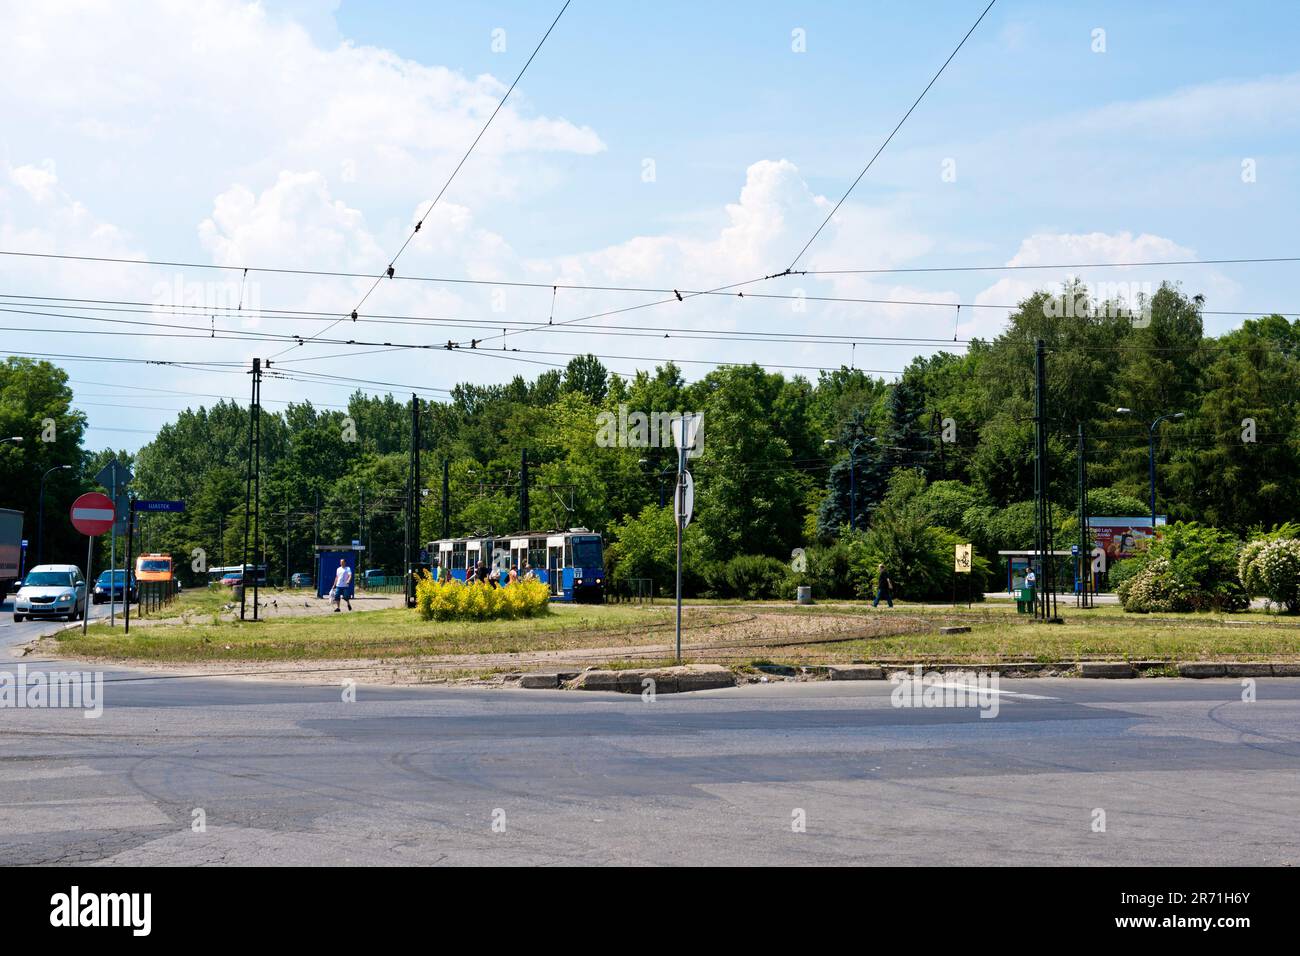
136	505
685	430
115	476
92	515
962	565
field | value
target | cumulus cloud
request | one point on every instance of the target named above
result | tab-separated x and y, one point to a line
204	86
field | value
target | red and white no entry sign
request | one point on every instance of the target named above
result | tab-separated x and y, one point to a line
92	513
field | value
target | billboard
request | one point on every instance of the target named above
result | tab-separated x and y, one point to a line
1123	537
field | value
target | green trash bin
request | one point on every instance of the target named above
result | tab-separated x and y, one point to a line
1025	601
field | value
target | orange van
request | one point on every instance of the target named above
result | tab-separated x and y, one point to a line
153	567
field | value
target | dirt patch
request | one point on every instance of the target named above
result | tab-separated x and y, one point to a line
275	606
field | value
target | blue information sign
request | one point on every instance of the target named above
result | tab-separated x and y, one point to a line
160	506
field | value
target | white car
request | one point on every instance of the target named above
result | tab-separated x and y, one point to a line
52	590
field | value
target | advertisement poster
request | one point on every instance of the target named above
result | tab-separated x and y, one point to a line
1123	537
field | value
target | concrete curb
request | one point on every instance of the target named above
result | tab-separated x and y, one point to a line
666	680
690	677
1112	669
856	672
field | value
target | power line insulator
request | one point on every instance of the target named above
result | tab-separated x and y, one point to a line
390	272
679	295
354	315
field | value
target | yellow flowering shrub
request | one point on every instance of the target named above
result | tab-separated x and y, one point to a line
455	601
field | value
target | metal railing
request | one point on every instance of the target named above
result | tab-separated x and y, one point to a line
156	596
392	584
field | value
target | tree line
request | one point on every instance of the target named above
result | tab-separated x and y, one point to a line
947	446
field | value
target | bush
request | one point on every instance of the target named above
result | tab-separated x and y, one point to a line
1190	567
829	569
645	546
749	576
1156	587
1271	569
1123	570
918	554
454	601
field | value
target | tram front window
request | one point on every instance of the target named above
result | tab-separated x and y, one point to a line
586	552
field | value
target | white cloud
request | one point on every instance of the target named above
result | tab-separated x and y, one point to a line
1201	111
1115	281
201	86
37	181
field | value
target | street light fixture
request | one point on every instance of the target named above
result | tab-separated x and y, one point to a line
853	472
17	440
1151	454
40	514
663	500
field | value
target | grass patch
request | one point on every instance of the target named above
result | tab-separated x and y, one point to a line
753	635
1079	638
396	632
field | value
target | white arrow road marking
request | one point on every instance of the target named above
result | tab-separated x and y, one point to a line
990	690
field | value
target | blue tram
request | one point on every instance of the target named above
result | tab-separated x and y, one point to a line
571	563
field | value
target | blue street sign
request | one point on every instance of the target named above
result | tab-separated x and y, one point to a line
160	506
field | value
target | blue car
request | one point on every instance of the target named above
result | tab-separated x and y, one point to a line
114	583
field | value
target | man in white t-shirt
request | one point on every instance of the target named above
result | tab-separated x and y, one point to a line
342	585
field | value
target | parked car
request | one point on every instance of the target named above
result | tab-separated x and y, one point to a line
103	591
232	578
300	580
373	576
52	590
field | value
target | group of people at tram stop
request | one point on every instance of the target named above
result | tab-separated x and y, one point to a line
483	575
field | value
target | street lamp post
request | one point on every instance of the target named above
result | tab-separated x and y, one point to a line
1151	455
40	514
853	476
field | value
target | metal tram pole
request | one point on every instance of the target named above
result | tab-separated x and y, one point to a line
126	597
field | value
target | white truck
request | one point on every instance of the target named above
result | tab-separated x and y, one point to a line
11	549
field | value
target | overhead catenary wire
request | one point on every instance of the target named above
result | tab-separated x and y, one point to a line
489	324
881	149
389	272
514	354
516	283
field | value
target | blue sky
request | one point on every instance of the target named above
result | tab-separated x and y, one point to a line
311	135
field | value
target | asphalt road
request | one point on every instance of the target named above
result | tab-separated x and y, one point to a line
15	635
1185	772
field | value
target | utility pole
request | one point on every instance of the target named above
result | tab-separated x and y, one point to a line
413	502
523	490
286	540
446	497
1045	605
252	490
1085	556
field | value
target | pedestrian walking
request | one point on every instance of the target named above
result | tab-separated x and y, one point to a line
342	590
884	587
